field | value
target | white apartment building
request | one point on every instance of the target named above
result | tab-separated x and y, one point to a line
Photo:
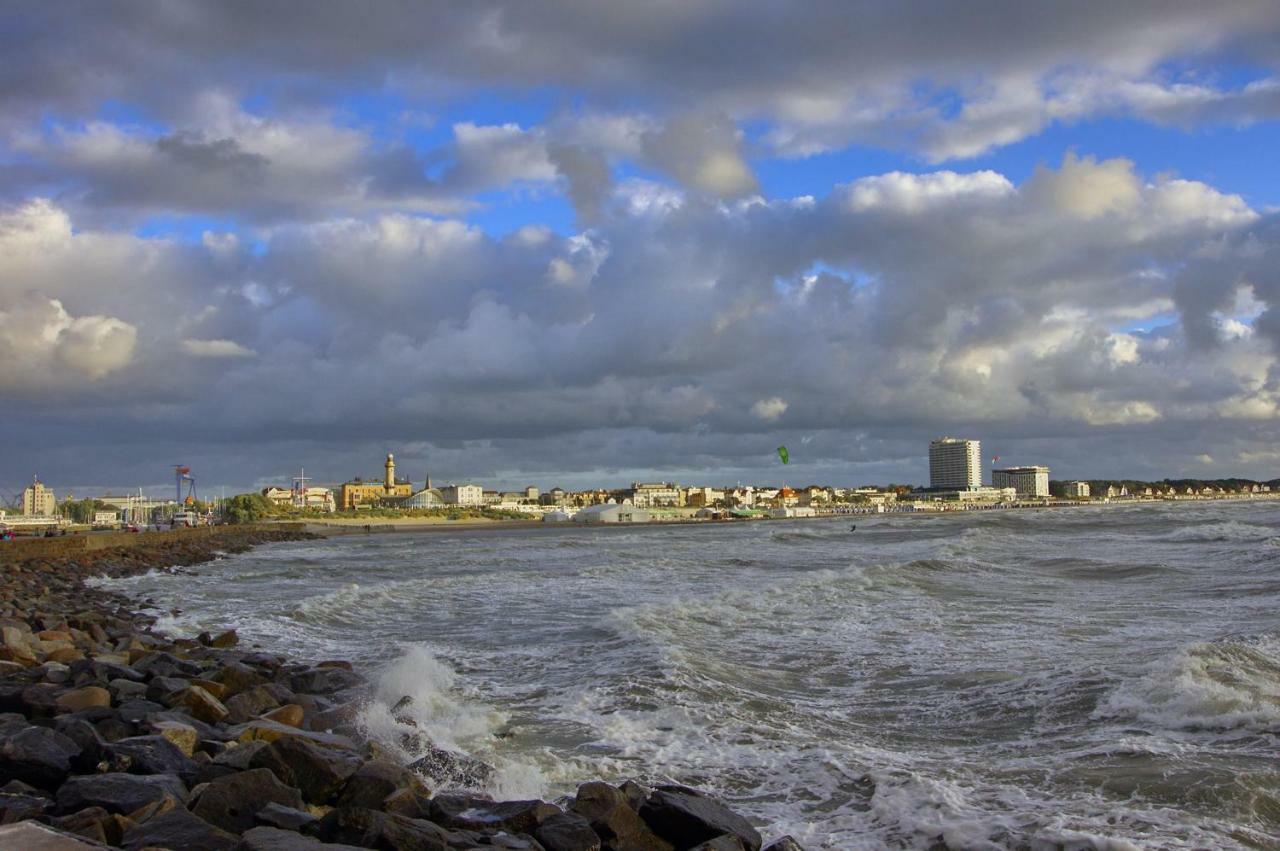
656	494
1076	490
1027	481
462	494
38	500
955	464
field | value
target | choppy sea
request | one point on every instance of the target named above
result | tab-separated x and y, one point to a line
1101	677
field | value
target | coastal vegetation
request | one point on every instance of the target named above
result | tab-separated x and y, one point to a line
253	507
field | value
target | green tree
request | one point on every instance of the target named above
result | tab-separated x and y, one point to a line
245	508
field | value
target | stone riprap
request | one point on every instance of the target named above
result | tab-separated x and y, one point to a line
113	734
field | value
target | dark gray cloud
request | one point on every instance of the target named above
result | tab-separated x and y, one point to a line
679	334
1093	317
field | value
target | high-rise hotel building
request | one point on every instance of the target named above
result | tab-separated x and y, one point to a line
955	464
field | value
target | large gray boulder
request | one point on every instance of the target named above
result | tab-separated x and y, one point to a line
373	829
151	755
37	755
324	681
374	781
179	829
232	802
469	812
619	827
274	839
686	817
318	772
118	793
567	832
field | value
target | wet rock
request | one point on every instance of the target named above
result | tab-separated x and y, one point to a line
30	835
410	803
92	823
137	710
119	793
114	729
374	781
250	704
449	768
724	842
373	829
238	677
151	755
274	839
240	756
470	812
634	793
41	700
178	829
108	671
231	802
285	818
567	832
91	744
161	664
183	736
325	681
37	755
216	689
122	690
165	690
202	705
225	639
269	731
619	827
685	818
786	843
83	698
316	771
290	714
18	806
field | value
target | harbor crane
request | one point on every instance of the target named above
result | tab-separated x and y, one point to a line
182	473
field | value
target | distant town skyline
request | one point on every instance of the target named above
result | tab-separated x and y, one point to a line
588	244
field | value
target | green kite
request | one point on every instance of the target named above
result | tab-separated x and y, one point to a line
784	455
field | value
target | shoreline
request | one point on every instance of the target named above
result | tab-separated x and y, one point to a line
114	733
352	526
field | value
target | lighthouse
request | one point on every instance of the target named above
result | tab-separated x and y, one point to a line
391	473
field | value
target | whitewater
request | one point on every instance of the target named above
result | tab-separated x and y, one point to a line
1103	677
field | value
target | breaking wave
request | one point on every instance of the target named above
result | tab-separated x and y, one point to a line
1221	685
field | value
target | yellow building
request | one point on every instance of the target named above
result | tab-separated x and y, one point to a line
358	492
38	501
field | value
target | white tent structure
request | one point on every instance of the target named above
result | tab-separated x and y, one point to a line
610	513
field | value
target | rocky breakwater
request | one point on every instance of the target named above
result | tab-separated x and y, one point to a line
114	735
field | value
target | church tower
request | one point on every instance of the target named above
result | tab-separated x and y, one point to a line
391	472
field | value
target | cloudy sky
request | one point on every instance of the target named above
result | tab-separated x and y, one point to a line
579	243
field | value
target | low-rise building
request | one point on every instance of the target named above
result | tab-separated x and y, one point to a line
793	511
1027	481
701	497
979	494
468	495
1075	490
426	498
